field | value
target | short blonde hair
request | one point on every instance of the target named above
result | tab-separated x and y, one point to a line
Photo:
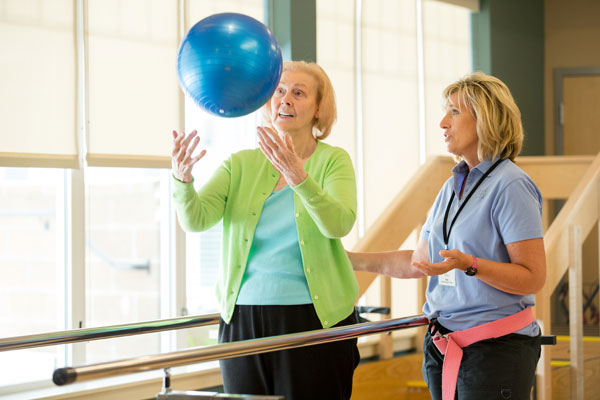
498	119
325	98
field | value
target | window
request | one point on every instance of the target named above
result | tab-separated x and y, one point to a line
32	268
107	226
123	256
371	51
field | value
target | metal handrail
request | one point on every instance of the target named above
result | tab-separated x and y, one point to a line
105	332
63	376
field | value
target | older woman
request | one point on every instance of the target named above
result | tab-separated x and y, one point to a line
482	246
284	208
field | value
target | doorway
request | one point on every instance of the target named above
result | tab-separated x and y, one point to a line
577	132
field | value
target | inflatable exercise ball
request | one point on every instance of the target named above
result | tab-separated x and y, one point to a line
229	64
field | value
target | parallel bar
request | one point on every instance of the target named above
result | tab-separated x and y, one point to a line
63	376
105	332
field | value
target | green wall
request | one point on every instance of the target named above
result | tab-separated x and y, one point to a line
294	24
508	42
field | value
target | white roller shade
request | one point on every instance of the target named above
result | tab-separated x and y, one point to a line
391	100
133	97
38	84
200	9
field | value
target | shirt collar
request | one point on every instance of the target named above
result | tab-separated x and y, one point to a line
461	170
482	167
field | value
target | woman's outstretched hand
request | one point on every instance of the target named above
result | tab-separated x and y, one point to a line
280	152
182	161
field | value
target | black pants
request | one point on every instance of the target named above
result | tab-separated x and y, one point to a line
322	371
502	368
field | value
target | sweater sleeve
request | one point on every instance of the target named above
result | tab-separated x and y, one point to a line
332	206
199	211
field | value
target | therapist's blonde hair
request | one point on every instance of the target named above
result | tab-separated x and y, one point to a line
498	119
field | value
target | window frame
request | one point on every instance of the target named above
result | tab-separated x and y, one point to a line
73	230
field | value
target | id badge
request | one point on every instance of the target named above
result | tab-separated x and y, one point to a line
448	279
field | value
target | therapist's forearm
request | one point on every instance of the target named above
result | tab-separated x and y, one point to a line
396	264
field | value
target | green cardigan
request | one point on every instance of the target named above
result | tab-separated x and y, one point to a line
325	209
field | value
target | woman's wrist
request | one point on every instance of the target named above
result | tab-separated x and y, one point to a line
298	178
472	269
182	179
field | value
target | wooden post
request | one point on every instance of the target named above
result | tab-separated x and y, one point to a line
544	371
421	290
598	226
546	214
420	331
576	311
386	343
543	316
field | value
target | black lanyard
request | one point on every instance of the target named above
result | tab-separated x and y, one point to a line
447	235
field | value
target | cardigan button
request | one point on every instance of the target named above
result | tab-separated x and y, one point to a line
316	297
302	242
297	215
308	270
325	322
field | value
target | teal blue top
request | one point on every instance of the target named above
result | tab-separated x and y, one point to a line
275	274
324	207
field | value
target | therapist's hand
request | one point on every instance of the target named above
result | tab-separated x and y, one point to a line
453	259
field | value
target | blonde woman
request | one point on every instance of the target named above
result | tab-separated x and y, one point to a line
284	208
482	247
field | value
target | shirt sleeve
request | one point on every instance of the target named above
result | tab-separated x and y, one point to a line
333	206
517	211
201	210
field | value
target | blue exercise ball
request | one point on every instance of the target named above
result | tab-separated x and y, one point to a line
229	64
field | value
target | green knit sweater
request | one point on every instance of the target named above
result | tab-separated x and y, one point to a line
325	209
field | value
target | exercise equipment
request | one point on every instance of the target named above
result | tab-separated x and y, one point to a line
229	64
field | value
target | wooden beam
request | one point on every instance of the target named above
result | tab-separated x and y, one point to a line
576	311
544	371
580	209
386	349
421	298
555	176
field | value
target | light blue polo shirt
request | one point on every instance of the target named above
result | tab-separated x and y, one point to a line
275	272
505	208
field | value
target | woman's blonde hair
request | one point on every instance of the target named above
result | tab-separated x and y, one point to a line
327	110
498	119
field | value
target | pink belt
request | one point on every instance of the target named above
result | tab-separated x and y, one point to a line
451	345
